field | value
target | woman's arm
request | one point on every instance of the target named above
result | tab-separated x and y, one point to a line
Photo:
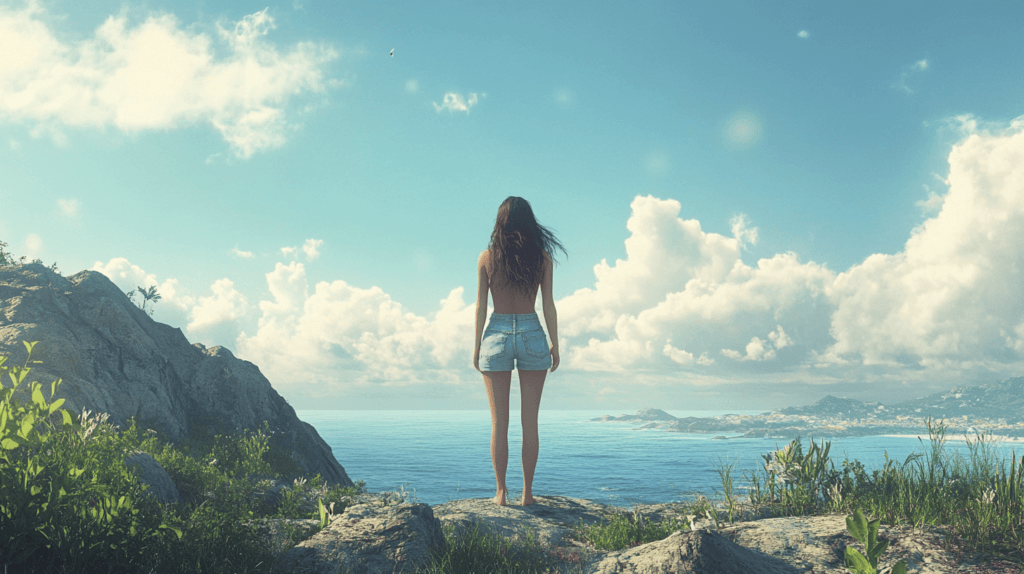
483	287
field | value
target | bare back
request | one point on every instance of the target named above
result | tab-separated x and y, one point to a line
506	300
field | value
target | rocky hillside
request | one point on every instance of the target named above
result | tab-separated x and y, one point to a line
113	358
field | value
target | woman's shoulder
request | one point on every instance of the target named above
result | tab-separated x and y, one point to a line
485	255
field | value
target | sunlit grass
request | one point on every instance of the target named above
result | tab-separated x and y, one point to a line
979	502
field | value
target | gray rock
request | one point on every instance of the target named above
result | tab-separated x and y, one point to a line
683	552
369	539
755	543
113	358
161	487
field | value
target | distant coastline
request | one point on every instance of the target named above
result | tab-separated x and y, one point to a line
995	410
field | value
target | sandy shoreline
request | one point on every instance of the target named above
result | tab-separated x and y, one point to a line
996	438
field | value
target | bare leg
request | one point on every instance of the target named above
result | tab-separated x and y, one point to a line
498	384
531	385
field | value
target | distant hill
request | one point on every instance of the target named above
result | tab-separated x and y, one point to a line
993	401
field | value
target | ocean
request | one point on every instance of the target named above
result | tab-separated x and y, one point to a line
445	455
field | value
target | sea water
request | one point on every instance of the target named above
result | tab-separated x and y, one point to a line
445	455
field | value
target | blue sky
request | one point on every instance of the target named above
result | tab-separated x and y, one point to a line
762	204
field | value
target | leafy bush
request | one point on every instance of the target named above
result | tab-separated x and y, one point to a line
55	511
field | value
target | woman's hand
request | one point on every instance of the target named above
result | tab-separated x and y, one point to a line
554	358
476	359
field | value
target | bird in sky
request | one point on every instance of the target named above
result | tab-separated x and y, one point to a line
392	52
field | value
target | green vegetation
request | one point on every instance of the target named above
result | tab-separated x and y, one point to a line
147	295
867	534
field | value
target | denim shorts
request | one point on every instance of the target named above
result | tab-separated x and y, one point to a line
514	337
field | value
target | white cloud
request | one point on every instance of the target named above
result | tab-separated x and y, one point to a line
412	86
305	338
455	103
803	34
69	206
14	144
155	75
757	350
310	248
740	230
242	254
920	65
678	355
952	296
688	286
564	97
225	305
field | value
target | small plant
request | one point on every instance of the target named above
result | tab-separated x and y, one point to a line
147	295
867	534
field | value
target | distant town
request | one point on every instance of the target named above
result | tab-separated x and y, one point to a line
995	410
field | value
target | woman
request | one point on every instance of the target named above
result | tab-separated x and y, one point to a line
515	264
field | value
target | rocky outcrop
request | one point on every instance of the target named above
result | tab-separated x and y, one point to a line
161	488
371	540
113	358
371	536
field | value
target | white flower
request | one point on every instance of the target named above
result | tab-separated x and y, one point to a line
988	497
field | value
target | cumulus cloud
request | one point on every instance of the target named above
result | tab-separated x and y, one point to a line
951	298
803	34
456	103
412	86
242	254
311	248
155	75
307	338
225	305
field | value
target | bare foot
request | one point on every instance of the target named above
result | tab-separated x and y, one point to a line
500	499
527	500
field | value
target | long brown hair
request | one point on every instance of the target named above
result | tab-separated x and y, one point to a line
518	244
